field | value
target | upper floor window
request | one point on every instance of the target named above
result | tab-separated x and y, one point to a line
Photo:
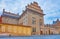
25	21
33	20
40	22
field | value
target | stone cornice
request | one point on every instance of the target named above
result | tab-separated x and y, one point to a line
35	11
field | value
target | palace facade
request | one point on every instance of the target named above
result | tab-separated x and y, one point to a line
33	20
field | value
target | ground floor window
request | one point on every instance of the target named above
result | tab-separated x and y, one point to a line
0	27
3	28
34	30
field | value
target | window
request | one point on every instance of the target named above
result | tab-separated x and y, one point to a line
0	26
3	28
7	20
9	28
33	20
40	22
25	21
34	30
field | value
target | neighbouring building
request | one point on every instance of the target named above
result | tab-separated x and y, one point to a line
55	26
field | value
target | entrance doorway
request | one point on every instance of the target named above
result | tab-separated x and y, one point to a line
41	32
49	32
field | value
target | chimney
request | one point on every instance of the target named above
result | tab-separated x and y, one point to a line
17	13
35	3
57	20
3	10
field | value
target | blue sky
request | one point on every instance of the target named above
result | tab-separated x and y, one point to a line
50	7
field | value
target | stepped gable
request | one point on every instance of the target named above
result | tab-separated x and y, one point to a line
35	7
9	14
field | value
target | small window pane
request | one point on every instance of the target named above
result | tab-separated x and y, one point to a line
33	20
34	29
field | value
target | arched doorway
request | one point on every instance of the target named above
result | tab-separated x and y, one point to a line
41	32
49	32
46	32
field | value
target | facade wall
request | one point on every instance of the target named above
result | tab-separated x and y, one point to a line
9	20
48	31
24	20
28	18
37	17
15	30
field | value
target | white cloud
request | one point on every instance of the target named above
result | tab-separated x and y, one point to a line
51	9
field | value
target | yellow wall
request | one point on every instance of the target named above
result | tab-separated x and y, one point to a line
15	29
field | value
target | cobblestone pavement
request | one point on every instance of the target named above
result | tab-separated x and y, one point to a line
33	37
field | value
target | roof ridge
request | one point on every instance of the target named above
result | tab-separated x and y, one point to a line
9	12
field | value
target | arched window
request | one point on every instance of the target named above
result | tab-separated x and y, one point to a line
49	31
41	32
